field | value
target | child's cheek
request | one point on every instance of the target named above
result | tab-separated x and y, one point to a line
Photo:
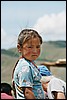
38	52
27	52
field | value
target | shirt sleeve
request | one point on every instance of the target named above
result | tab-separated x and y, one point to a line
56	85
24	76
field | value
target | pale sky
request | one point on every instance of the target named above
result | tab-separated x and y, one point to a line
47	17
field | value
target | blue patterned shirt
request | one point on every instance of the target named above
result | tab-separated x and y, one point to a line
27	75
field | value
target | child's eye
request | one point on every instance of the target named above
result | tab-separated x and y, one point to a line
38	46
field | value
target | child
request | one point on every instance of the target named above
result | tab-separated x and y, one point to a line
6	91
26	76
53	86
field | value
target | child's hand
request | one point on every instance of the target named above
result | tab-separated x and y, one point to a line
29	94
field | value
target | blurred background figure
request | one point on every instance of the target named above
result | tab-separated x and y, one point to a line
6	91
54	87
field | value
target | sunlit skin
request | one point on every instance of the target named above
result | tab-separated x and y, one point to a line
31	49
45	85
60	96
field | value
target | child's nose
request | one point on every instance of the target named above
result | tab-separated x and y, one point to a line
35	50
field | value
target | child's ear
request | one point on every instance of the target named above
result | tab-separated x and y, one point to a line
19	48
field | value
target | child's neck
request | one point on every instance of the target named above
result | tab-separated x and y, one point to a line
26	58
32	61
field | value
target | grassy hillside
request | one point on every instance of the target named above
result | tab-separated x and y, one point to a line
50	51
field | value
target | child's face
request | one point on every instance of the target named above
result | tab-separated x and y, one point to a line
31	49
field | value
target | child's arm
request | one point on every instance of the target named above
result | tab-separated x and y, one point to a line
29	94
60	95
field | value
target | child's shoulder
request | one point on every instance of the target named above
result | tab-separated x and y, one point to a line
23	62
